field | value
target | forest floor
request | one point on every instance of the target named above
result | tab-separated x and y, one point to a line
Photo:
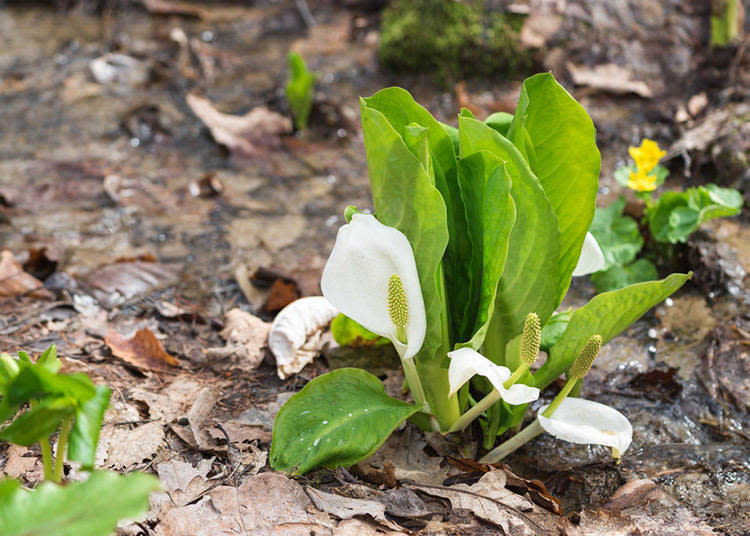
121	214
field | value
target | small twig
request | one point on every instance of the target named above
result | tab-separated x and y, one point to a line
305	13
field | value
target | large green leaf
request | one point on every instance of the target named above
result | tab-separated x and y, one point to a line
347	332
402	111
559	140
88	423
528	283
89	508
406	198
617	277
39	422
338	419
618	236
485	188
607	315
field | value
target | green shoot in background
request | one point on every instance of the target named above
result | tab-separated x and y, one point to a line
299	90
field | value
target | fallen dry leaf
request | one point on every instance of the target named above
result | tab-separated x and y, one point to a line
244	135
295	333
14	281
114	284
282	293
182	481
129	447
21	463
143	351
489	500
246	335
609	78
347	507
265	504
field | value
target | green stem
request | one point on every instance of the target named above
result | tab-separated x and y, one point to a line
46	458
515	442
520	371
62	447
560	397
480	407
412	379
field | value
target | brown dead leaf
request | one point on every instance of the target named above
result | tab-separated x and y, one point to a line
247	336
347	507
42	262
14	281
245	135
143	351
282	293
489	500
129	447
182	481
356	527
610	78
22	463
265	504
114	284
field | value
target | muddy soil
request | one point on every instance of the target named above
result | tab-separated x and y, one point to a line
116	166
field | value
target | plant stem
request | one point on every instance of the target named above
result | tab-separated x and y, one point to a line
46	458
479	408
560	397
412	379
515	442
62	447
520	371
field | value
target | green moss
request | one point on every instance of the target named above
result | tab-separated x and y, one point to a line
450	39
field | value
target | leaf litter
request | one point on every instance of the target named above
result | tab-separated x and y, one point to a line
204	425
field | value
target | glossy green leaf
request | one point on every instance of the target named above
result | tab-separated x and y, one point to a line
607	315
299	89
406	198
526	285
402	111
485	188
347	332
499	121
89	508
338	419
553	330
38	422
616	277
86	428
558	138
618	236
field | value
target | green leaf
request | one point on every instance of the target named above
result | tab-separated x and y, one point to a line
553	330
607	315
9	367
485	188
402	111
526	284
86	428
38	422
34	382
618	236
675	216
299	89
499	121
89	508
406	198
616	277
558	138
338	419
49	360
622	174
347	332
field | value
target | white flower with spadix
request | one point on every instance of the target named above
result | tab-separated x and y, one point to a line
371	277
466	362
589	423
591	259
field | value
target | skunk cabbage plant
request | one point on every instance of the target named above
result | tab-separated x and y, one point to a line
476	234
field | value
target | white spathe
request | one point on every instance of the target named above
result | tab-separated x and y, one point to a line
591	259
466	362
589	423
355	279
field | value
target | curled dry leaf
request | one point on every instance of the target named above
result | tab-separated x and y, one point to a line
14	281
143	351
246	335
347	507
241	134
609	78
116	283
295	333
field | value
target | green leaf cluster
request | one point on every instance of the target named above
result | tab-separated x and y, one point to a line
48	401
496	213
677	215
299	90
89	508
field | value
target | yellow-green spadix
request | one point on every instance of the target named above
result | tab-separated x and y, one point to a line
371	277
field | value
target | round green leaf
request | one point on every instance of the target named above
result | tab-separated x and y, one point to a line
338	419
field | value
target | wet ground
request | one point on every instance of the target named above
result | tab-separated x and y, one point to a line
103	170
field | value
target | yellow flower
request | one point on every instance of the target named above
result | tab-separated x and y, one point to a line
641	181
647	155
